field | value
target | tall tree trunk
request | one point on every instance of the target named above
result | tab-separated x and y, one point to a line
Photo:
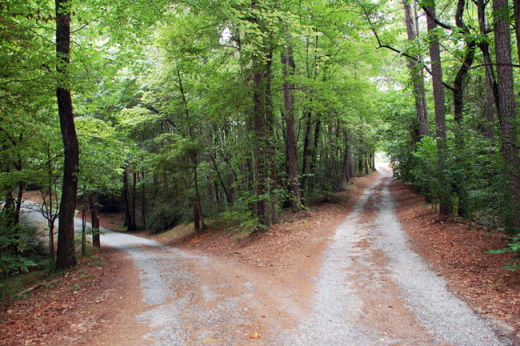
66	257
292	158
314	152
416	73
445	206
307	152
458	108
517	25
507	112
491	99
263	131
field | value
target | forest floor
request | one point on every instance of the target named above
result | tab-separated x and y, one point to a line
96	303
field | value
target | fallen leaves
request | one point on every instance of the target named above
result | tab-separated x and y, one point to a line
458	250
255	335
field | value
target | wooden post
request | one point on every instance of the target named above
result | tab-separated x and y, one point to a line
196	217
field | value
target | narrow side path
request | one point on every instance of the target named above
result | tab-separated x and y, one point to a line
373	289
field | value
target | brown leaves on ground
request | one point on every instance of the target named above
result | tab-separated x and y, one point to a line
70	309
458	250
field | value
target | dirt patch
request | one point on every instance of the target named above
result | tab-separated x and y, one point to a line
458	250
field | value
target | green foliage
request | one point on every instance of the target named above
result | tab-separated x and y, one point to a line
20	249
512	247
241	220
166	216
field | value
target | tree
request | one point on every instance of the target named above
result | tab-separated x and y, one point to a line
416	73
288	99
507	112
66	256
445	206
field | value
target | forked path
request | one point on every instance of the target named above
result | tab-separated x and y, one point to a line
371	289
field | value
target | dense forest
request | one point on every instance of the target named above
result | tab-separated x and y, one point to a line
181	111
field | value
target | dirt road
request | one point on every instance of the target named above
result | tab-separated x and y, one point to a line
371	289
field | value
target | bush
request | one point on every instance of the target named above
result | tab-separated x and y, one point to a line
243	221
20	248
165	216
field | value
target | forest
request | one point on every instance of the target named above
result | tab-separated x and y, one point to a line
185	111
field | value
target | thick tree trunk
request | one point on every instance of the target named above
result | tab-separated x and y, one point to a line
292	158
517	25
507	112
445	206
417	75
66	257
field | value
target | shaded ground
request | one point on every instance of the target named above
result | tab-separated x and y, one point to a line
97	294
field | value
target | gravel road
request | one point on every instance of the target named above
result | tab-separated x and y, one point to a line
372	289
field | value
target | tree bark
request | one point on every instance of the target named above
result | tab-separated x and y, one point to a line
491	99
445	206
517	25
94	219
292	158
458	109
507	112
417	75
130	226
263	131
307	152
65	256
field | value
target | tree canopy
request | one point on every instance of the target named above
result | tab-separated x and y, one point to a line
244	108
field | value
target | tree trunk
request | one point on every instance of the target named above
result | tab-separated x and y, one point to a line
491	99
263	131
506	112
517	25
130	226
84	222
219	176
66	257
314	152
134	197
292	158
94	219
445	206
417	75
306	152
458	109
143	200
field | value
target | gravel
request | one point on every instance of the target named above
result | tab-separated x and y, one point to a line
195	300
339	314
